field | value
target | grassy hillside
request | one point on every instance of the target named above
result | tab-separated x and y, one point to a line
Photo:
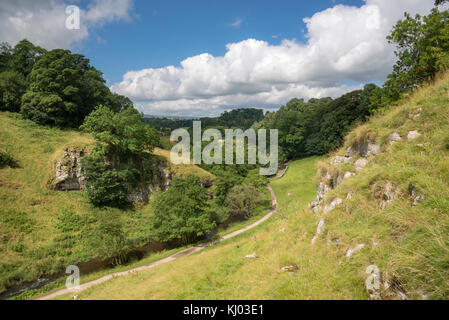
184	170
41	230
408	242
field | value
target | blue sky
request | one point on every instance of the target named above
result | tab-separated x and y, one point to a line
201	57
165	32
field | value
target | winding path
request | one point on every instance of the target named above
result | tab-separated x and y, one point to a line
177	255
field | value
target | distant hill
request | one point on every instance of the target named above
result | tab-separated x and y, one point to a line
242	118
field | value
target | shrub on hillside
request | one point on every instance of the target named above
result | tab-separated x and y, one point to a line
181	212
242	200
108	238
104	184
6	159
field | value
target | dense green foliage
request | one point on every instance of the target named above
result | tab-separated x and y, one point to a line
104	184
21	58
422	50
439	2
319	125
121	160
120	133
12	86
108	237
64	89
15	66
183	212
55	88
242	200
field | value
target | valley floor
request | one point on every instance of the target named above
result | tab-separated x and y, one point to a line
222	271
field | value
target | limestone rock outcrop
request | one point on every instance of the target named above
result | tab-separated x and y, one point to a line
161	179
394	137
365	148
68	173
385	194
412	135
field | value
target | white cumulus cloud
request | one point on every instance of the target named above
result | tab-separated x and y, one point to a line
345	44
43	21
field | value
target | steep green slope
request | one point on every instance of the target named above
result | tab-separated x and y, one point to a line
41	230
393	216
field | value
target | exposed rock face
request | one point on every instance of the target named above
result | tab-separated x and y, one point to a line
416	196
386	195
364	149
339	159
160	179
351	251
360	164
331	206
68	173
327	183
319	230
394	137
350	195
412	135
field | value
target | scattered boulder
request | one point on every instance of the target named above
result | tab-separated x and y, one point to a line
351	251
418	113
360	164
394	137
331	206
327	183
319	230
365	148
290	269
385	194
334	241
412	135
315	205
348	174
349	196
416	196
339	159
251	256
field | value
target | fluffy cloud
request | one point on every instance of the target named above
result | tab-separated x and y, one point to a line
43	21
344	44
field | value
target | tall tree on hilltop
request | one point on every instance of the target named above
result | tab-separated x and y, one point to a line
64	89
